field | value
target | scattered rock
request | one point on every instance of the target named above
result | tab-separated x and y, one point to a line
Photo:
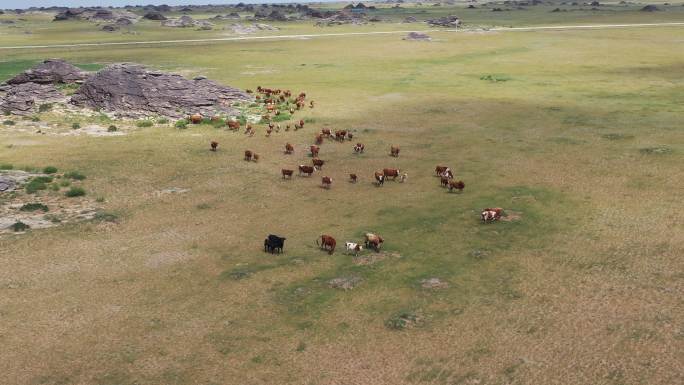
345	283
110	28
132	90
410	19
446	21
155	15
123	22
50	71
434	283
172	190
244	29
417	36
184	21
94	14
650	8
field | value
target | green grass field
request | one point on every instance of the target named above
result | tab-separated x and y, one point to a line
585	287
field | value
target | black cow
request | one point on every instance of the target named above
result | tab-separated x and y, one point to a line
274	244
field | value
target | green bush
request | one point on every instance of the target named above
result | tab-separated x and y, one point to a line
45	107
401	320
76	126
103	216
34	207
36	184
35	118
6	166
145	123
50	170
282	117
112	128
20	226
162	121
75	175
8	122
43	179
182	124
65	183
75	192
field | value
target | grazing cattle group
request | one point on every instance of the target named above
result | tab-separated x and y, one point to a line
274	101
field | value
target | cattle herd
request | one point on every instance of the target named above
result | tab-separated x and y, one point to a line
275	100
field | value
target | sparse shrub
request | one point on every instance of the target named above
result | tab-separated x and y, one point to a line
35	118
242	119
76	126
75	175
34	207
617	136
75	192
145	123
203	206
162	121
65	183
103	118
495	78
54	186
8	122
103	216
19	226
7	113
50	170
45	107
218	123
53	218
6	166
182	124
309	120
282	117
656	150
401	320
206	121
112	128
301	346
99	199
36	184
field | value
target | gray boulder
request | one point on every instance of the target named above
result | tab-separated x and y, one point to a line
446	21
417	36
22	99
133	90
50	71
154	15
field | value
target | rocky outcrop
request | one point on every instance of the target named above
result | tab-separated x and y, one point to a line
446	21
50	71
22	99
133	90
94	14
187	22
154	15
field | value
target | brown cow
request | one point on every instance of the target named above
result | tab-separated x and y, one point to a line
319	138
326	181
325	132
491	214
286	173
394	151
353	178
233	125
340	135
374	241
379	178
301	123
359	148
195	118
458	185
318	163
350	136
444	181
314	150
214	145
289	149
306	170
391	172
255	157
440	169
327	243
248	155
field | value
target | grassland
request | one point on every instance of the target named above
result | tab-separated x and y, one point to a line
586	288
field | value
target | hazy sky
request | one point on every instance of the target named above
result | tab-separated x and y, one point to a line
12	4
